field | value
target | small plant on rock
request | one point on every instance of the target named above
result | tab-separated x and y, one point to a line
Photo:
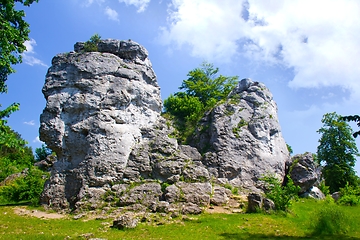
92	44
280	194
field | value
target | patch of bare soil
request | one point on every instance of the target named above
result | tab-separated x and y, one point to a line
217	209
36	213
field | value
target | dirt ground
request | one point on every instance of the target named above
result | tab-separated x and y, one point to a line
37	213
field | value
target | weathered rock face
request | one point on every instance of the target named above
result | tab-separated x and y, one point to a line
97	104
102	119
303	171
242	139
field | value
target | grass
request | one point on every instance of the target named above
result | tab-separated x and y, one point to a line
301	223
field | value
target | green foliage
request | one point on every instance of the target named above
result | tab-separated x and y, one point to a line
330	220
349	195
289	149
202	91
354	118
14	32
237	129
337	150
25	188
17	158
184	107
42	152
279	194
323	188
207	86
14	155
92	44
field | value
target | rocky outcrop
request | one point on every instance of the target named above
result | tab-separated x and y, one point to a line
257	203
241	138
103	121
303	171
313	192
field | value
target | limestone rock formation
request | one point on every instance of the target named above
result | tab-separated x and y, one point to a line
303	171
97	104
103	120
241	138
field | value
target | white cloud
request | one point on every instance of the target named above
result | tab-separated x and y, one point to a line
31	123
319	39
112	14
28	57
37	140
90	2
141	5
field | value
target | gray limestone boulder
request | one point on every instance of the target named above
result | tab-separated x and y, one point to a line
127	220
241	139
303	171
220	196
256	202
97	105
314	192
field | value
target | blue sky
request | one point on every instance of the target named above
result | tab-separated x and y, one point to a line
306	52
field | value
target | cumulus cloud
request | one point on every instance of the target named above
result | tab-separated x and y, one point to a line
37	140
31	123
28	57
112	14
317	39
141	5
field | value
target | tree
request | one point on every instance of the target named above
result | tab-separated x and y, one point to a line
42	152
354	118
92	44
204	84
14	32
14	154
202	91
338	151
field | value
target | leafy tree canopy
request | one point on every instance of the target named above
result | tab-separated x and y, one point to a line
14	32
14	154
338	151
42	152
207	86
354	118
203	89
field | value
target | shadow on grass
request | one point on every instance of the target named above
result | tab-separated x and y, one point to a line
238	236
27	203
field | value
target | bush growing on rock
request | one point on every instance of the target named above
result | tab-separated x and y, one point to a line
202	91
92	44
279	194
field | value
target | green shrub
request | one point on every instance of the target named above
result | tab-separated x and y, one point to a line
330	220
25	188
349	195
92	44
203	89
324	189
279	194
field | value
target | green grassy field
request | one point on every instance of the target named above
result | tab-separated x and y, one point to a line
299	224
